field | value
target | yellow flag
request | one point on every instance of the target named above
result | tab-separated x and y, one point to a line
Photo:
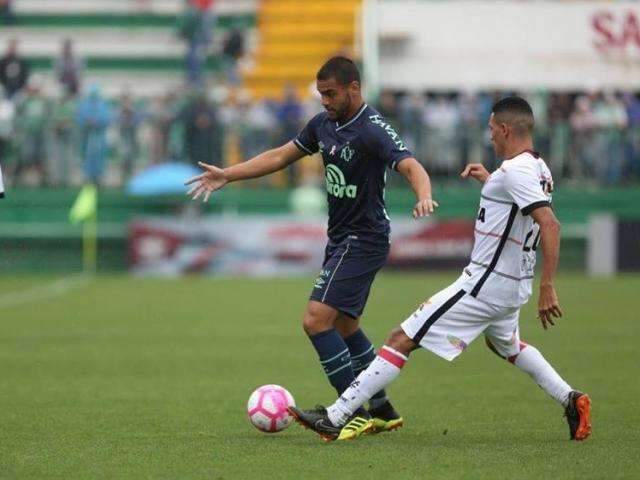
85	205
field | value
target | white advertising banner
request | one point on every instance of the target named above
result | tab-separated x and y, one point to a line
472	45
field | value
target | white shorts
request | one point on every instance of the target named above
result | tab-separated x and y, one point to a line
448	322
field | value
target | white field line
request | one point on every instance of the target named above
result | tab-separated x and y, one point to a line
56	288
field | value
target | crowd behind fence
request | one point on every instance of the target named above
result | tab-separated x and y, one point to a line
590	138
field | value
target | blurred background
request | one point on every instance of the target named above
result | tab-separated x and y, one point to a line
129	95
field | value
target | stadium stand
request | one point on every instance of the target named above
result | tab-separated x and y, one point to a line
124	44
305	34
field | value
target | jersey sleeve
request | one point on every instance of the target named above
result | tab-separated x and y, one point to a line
387	144
307	139
523	185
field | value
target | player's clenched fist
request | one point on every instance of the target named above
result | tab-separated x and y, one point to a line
206	183
477	171
424	208
548	305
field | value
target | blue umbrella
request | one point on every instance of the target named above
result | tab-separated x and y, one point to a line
163	179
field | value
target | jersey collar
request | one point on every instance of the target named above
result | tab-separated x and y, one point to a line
355	117
533	153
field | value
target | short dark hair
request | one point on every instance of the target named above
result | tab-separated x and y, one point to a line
341	68
515	111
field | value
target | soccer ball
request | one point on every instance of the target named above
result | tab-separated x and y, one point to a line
267	408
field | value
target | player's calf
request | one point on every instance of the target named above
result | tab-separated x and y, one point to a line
399	341
577	404
332	351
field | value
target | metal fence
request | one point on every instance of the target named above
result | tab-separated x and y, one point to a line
44	141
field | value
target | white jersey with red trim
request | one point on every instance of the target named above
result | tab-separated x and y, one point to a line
504	252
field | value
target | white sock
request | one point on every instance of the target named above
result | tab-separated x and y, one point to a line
530	360
381	372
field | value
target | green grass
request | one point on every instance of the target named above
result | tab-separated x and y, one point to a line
129	378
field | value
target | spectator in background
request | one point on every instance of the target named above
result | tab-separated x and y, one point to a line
611	118
162	116
14	70
7	115
388	107
539	101
195	26
442	117
469	130
201	132
232	51
411	126
63	148
583	125
486	101
6	12
559	133
257	120
129	120
68	68
32	117
288	114
93	117
632	163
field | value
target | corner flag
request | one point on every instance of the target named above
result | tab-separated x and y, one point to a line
85	210
85	205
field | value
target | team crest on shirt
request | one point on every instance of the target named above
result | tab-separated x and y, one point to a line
333	150
347	153
457	342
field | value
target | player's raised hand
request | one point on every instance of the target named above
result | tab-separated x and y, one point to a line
424	208
477	171
206	183
548	306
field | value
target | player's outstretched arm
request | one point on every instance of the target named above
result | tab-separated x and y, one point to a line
215	178
475	170
548	304
420	182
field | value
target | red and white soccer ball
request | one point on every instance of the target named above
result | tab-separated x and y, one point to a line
267	408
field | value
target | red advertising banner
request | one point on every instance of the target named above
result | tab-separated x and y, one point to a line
279	246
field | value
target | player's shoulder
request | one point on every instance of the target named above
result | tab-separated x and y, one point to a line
377	126
528	162
373	118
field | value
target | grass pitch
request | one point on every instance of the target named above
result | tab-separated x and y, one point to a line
129	378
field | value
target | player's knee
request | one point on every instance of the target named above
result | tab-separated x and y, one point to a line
398	340
346	326
317	320
521	346
510	358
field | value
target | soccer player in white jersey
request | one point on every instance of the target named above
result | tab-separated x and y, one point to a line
514	218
